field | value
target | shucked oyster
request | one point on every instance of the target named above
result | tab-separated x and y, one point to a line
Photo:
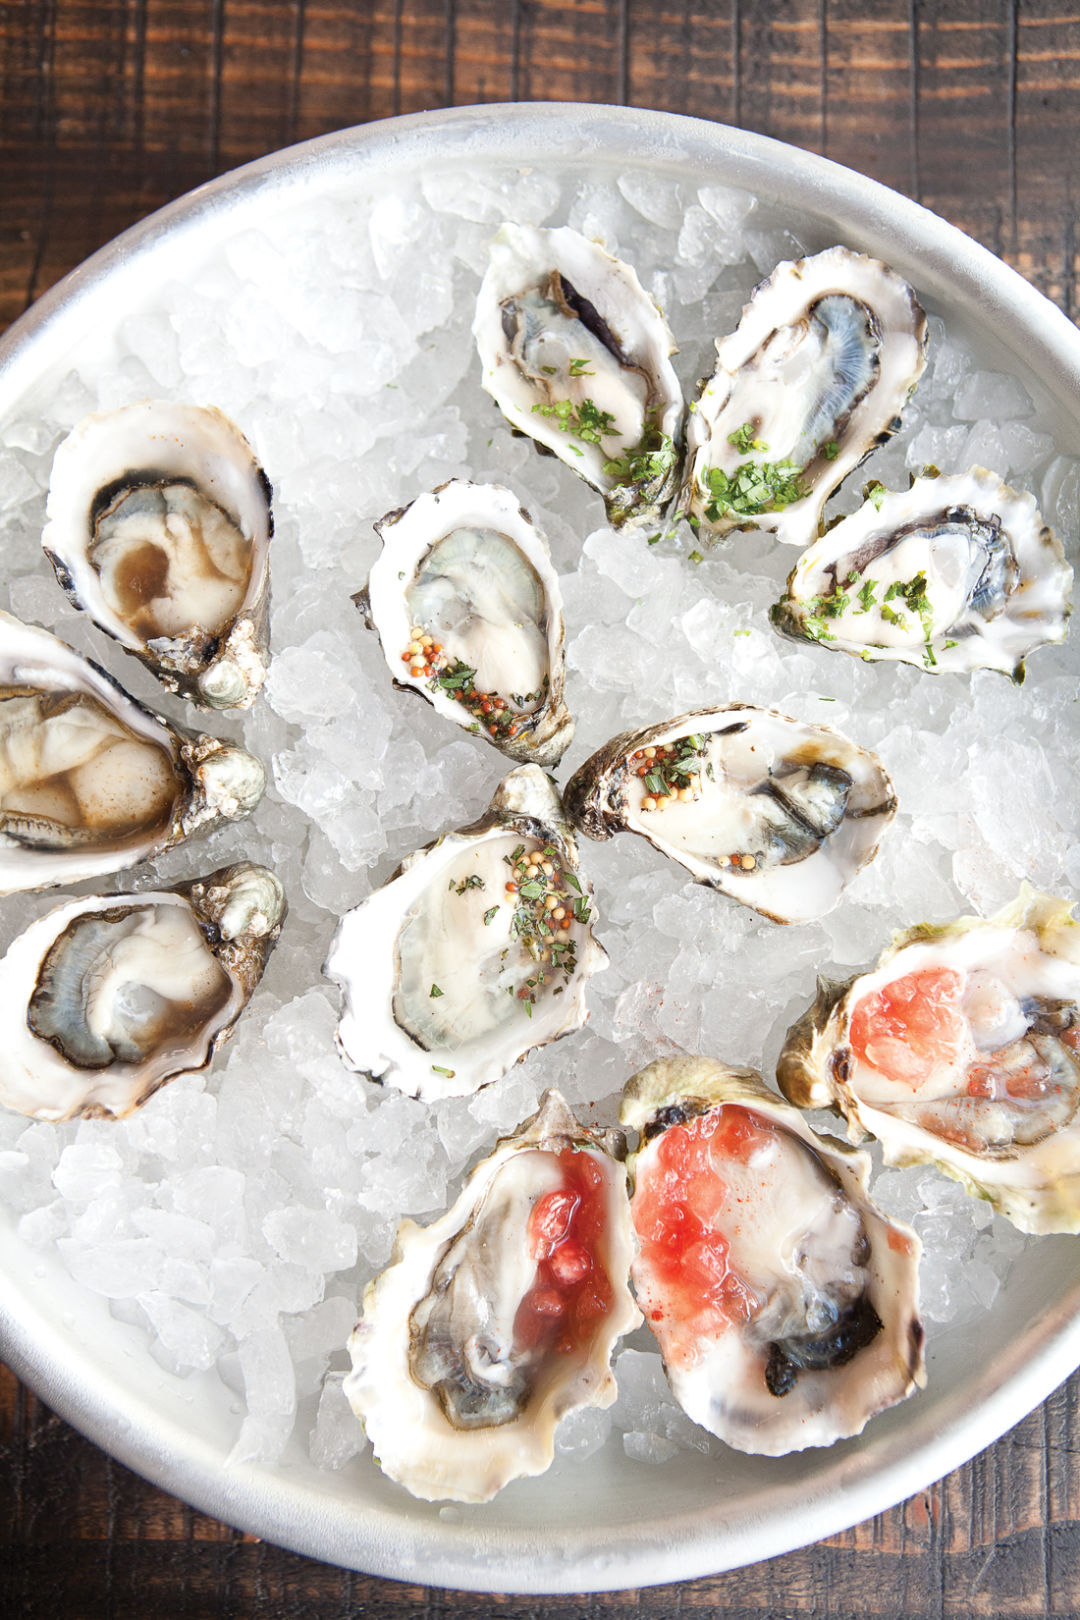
954	574
159	525
469	613
90	781
814	376
575	354
777	814
109	996
478	949
785	1304
499	1319
961	1049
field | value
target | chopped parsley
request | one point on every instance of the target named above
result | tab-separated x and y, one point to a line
449	1073
754	487
473	882
831	450
577	369
489	914
744	439
435	991
588	422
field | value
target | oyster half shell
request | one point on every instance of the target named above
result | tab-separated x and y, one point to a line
576	355
961	1049
478	949
469	613
499	1319
90	781
159	525
777	814
110	996
813	378
785	1303
956	573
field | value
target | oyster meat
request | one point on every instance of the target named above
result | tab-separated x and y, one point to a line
954	574
777	814
468	609
90	781
477	950
813	378
110	996
159	525
576	355
961	1049
784	1302
499	1319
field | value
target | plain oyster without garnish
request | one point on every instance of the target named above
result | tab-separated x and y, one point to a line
159	526
500	1318
961	1049
478	949
774	812
468	609
814	377
577	356
957	573
91	781
784	1302
110	996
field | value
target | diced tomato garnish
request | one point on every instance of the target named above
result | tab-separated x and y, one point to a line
912	1027
571	1290
550	1222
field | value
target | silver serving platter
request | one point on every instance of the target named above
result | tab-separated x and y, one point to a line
606	1527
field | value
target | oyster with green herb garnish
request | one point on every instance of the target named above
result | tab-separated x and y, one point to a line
956	573
478	949
468	609
576	355
814	376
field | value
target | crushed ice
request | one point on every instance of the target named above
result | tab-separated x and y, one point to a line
237	1216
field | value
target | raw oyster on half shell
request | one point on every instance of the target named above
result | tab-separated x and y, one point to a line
784	1302
778	814
159	526
954	574
500	1318
90	781
469	613
815	376
576	355
961	1049
477	950
110	996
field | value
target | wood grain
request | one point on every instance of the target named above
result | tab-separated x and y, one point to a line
110	108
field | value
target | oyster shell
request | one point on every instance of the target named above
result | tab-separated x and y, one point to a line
499	1319
815	375
459	965
775	813
785	1303
954	574
110	996
575	354
960	1049
159	525
466	567
90	781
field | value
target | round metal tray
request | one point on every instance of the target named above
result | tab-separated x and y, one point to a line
610	1526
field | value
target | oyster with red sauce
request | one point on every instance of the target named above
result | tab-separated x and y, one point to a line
500	1318
961	1049
785	1303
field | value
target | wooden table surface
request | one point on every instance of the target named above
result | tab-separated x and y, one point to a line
110	108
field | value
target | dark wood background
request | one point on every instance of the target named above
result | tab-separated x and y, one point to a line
110	108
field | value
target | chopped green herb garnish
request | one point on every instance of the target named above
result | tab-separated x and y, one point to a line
577	369
449	1073
475	881
435	991
744	439
753	488
831	450
695	557
489	914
